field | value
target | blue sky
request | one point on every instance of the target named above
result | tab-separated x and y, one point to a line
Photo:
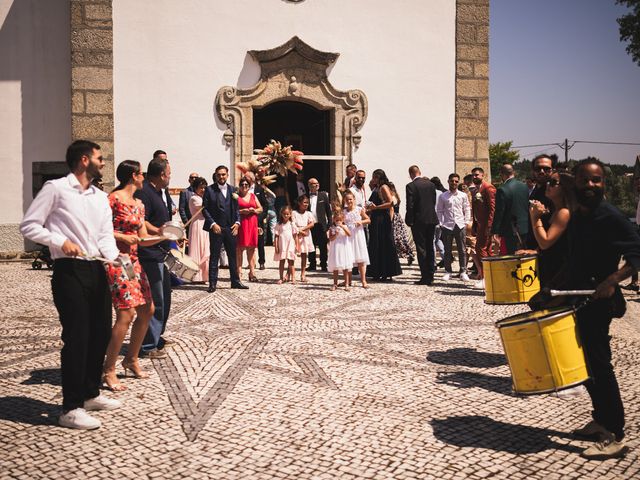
558	70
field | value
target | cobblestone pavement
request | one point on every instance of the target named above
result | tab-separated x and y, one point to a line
281	381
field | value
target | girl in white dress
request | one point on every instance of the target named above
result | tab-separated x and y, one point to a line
340	251
304	222
356	217
286	245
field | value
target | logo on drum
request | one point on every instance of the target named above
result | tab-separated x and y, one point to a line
527	279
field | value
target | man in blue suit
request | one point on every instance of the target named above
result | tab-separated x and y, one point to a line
221	220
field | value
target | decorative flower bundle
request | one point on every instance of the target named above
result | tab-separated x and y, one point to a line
278	159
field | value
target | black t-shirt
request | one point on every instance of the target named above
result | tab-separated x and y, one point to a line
156	213
539	195
598	240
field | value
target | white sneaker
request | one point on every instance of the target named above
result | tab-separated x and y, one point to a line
78	419
479	284
102	403
464	277
446	277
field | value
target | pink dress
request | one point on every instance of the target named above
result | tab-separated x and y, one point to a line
198	240
286	233
302	220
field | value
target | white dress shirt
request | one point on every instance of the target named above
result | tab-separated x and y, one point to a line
62	211
453	209
313	202
361	195
223	189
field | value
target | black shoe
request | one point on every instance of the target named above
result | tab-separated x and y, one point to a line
440	264
423	282
324	269
409	261
311	268
240	286
261	266
631	286
211	289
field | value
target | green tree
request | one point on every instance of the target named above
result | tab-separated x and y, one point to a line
499	154
630	28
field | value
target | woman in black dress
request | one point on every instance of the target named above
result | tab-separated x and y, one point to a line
384	263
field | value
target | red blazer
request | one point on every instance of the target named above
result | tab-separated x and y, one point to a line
483	207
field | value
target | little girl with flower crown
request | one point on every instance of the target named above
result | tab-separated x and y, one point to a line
286	245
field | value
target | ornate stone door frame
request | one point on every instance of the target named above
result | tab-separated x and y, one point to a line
297	72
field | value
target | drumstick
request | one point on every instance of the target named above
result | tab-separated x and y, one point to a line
193	217
562	293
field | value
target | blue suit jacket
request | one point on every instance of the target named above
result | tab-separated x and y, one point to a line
217	209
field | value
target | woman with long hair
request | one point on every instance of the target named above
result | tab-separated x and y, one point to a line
199	249
553	242
400	235
131	296
384	263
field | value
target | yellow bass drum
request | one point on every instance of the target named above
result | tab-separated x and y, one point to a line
544	350
510	279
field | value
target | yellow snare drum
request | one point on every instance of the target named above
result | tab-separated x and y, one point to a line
510	279
544	351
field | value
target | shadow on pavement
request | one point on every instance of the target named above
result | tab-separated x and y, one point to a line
46	376
28	410
468	293
467	357
463	379
484	432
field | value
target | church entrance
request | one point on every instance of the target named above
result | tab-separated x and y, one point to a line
305	128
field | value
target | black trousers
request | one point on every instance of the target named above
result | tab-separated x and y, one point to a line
593	324
319	237
227	239
423	238
261	246
81	296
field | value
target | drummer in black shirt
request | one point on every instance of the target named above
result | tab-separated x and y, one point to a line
152	258
542	168
600	235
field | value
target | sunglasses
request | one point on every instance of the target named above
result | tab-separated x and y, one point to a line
540	169
553	182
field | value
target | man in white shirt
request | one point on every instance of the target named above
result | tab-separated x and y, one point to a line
358	188
73	218
454	214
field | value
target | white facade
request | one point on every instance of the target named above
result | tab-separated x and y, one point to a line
35	101
168	69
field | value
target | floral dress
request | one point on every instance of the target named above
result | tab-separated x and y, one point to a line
126	293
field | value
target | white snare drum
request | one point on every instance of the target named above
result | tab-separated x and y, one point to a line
172	230
182	265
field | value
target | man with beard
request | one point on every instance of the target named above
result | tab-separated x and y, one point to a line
483	208
73	218
600	235
542	168
152	258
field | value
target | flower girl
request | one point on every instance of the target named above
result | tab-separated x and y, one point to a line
340	251
286	245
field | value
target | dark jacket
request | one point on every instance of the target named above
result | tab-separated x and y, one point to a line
323	210
218	209
538	194
156	213
183	204
512	208
421	203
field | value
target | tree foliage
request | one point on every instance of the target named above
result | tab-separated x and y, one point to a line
630	28
499	154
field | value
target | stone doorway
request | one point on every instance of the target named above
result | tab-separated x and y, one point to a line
294	74
304	127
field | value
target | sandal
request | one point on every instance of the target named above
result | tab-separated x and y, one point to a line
111	381
253	278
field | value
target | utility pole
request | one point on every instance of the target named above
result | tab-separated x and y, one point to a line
566	151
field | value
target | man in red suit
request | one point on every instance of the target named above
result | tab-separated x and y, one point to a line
483	207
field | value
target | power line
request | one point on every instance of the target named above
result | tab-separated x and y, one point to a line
605	143
537	145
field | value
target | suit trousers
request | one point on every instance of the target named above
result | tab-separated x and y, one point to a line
447	238
593	324
160	283
261	254
81	296
319	236
227	239
423	238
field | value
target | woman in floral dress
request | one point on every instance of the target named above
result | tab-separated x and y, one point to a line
131	297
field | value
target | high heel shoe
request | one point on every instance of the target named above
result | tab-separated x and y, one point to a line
110	379
133	365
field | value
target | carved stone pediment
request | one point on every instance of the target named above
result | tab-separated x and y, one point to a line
294	71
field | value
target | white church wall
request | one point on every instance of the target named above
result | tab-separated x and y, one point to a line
35	105
170	59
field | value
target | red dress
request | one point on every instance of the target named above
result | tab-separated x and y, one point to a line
127	219
248	232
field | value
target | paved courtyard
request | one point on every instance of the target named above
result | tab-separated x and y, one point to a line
281	381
